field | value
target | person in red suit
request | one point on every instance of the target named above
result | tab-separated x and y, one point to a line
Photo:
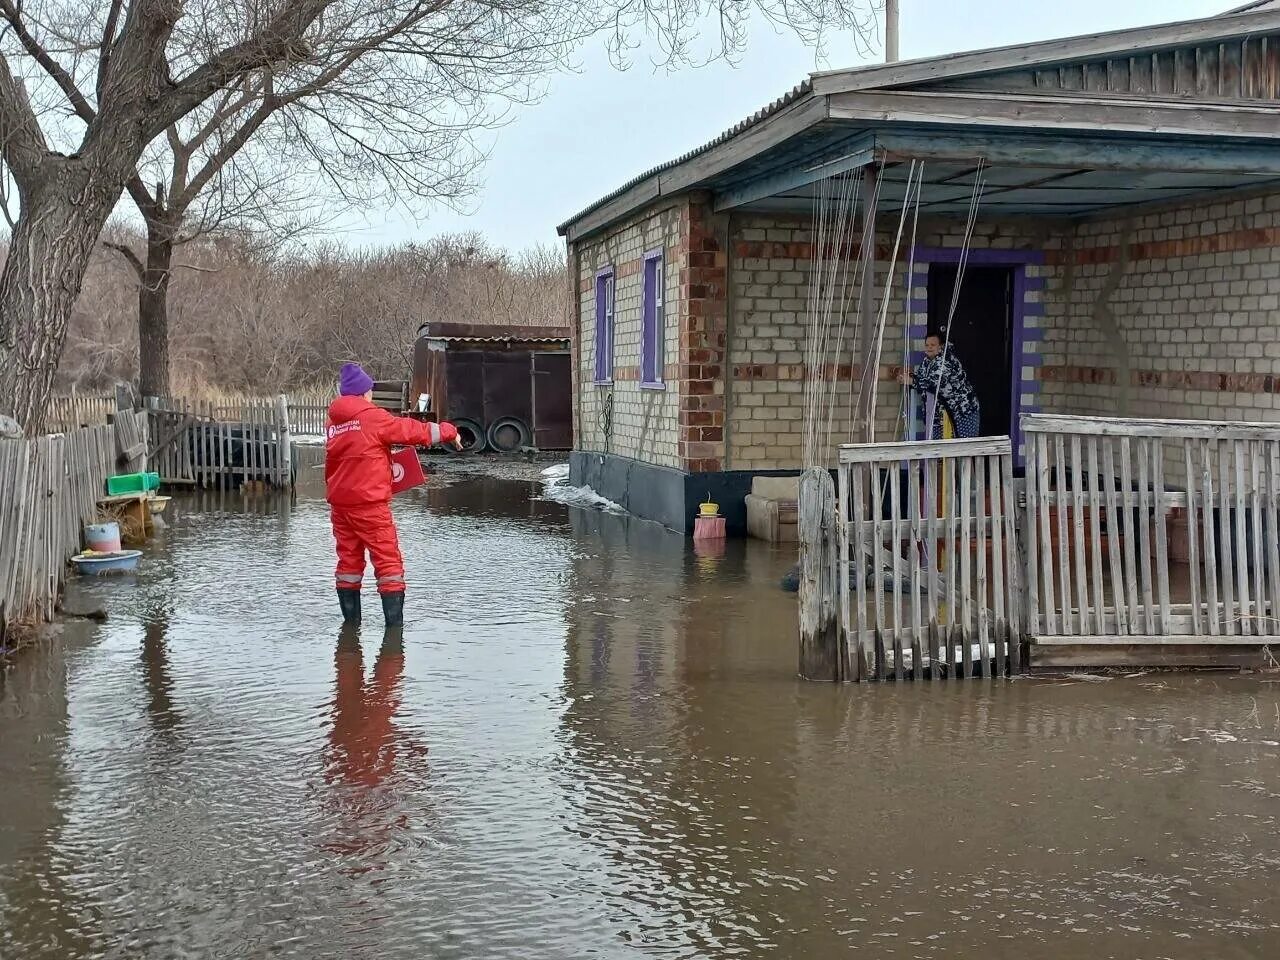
357	476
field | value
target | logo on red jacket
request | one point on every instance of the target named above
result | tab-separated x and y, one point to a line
335	429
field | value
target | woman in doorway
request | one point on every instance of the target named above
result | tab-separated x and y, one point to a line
940	375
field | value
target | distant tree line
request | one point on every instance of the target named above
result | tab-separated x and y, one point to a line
245	319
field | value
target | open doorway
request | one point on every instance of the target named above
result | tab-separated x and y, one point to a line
981	335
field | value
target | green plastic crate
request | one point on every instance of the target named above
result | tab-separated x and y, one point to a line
132	483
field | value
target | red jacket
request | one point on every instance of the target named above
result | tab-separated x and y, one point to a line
357	453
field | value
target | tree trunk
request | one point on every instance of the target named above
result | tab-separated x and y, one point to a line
48	255
153	312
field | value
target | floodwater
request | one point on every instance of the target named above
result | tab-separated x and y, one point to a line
590	742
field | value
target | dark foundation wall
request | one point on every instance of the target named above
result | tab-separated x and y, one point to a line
664	495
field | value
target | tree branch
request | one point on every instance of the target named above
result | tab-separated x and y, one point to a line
108	44
131	257
22	143
82	107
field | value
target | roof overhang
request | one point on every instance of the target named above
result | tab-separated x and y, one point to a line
1050	53
1066	152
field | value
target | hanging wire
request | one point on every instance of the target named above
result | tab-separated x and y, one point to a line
979	183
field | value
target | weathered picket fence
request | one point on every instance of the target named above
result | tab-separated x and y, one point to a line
49	488
928	551
1129	543
1151	533
195	444
76	410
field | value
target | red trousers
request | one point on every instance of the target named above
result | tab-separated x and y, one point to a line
369	529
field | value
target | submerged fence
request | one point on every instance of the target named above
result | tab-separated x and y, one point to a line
197	444
49	488
1129	543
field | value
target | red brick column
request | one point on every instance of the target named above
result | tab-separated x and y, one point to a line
703	316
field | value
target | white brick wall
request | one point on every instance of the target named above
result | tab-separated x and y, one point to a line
644	421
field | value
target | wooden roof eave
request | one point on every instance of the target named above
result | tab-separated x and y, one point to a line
1048	53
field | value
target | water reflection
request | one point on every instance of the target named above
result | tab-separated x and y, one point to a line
369	760
156	673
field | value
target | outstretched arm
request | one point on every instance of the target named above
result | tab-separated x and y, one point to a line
404	432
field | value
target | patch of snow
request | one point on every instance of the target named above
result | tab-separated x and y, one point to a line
556	487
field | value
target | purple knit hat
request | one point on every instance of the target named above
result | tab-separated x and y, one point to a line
353	381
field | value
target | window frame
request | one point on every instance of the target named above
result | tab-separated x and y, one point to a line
653	320
606	298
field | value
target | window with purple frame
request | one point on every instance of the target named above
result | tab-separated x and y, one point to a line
653	325
604	326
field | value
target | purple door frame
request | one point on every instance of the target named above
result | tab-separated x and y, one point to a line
1023	307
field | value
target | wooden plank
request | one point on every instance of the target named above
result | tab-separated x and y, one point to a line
980	567
914	450
1160	519
843	572
1099	599
1144	532
954	629
1077	532
877	566
999	599
1064	536
933	541
1050	624
1012	567
1156	640
864	654
897	620
1242	542
1129	505
1273	532
1226	547
1037	423
1210	542
1031	517
1255	526
1251	656
1194	572
916	559
967	631
1048	113
821	653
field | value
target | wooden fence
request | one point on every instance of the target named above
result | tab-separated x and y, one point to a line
78	410
49	488
928	545
308	410
1130	543
196	443
1152	532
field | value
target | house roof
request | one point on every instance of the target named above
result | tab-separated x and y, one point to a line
1200	81
491	333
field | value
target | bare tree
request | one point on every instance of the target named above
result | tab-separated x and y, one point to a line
87	86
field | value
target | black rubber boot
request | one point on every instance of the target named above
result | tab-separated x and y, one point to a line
349	601
393	609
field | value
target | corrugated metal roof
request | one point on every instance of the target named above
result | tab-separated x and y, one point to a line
796	92
878	76
502	339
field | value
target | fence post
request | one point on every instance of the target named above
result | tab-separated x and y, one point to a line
285	439
822	641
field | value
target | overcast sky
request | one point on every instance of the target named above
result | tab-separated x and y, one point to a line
600	127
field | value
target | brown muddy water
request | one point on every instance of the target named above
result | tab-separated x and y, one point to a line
591	743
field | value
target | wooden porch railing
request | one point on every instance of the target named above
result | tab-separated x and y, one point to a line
1106	501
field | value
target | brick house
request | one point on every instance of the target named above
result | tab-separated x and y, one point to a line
1125	256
